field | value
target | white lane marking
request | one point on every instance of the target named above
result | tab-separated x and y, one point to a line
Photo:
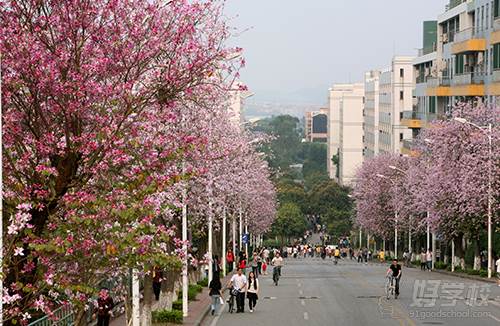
299	285
302	302
493	317
301	292
306	316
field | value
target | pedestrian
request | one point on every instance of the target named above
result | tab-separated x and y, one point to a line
104	307
497	263
216	265
252	290
230	260
242	263
239	283
423	260
264	267
259	263
157	277
429	260
265	254
254	263
215	287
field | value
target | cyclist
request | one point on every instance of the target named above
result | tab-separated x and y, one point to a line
277	262
238	284
394	270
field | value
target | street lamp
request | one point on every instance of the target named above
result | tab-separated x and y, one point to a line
392	167
487	130
395	218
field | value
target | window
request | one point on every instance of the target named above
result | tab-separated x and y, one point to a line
496	56
496	11
400	136
432	104
401	95
487	21
401	73
482	17
459	64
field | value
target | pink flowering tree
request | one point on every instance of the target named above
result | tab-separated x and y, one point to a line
451	174
90	102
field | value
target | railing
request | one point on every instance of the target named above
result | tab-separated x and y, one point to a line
441	81
413	115
468	78
427	50
464	35
496	75
63	316
408	144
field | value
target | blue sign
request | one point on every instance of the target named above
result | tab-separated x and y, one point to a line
245	238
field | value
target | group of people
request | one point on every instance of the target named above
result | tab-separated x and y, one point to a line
240	285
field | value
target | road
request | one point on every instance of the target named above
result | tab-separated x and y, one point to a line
316	292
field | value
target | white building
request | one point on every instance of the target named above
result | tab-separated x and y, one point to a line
395	97
371	114
345	131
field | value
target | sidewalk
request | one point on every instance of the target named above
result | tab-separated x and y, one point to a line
198	309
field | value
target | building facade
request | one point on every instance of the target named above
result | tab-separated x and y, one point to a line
371	114
464	65
316	126
345	132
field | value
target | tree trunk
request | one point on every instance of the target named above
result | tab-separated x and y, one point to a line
147	300
167	290
477	257
459	251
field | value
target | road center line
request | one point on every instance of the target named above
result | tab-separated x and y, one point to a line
301	292
302	302
306	316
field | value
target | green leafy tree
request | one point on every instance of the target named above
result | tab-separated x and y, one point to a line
289	223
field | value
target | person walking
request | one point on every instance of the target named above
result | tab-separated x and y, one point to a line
230	260
239	283
429	260
255	263
252	290
423	259
215	287
157	277
104	307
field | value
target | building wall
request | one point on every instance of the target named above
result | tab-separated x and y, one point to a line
351	134
371	114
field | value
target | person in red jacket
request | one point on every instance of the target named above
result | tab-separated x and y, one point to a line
230	259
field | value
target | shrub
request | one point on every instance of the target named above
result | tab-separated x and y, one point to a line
167	316
177	305
440	265
473	272
196	287
192	292
483	273
203	282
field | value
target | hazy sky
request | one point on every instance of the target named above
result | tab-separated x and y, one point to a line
296	49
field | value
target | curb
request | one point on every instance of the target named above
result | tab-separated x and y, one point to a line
204	315
470	277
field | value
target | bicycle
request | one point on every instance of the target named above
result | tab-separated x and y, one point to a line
276	274
390	288
232	297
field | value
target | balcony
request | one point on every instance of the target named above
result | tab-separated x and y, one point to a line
407	148
412	119
438	86
464	41
494	87
468	84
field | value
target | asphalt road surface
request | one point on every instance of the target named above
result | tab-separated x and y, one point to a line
312	291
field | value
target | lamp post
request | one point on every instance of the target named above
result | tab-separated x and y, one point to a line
487	130
224	241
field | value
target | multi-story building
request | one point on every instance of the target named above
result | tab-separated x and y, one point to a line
316	126
345	131
388	93
465	65
371	114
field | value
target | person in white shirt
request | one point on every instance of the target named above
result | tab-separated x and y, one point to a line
497	263
252	290
265	253
429	260
239	282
